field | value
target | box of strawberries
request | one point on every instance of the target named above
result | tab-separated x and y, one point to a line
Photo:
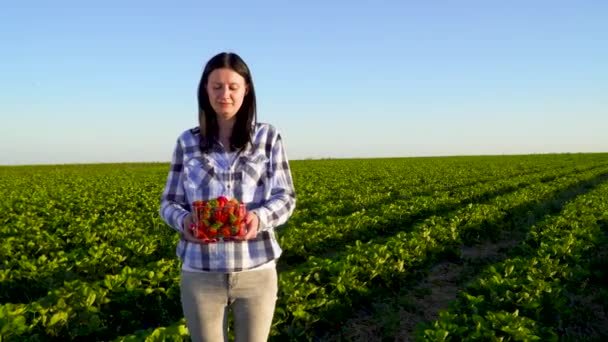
218	219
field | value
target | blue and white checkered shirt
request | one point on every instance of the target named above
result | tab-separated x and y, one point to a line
258	176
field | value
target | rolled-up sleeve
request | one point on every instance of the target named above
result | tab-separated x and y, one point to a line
277	209
173	203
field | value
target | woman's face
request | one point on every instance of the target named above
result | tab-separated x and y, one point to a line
226	90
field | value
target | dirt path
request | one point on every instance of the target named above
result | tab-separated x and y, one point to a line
446	280
396	318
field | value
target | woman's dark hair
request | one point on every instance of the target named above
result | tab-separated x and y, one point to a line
245	117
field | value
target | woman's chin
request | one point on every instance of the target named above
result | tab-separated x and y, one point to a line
226	116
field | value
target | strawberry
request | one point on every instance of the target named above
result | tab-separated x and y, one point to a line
225	231
229	209
200	234
242	231
241	211
222	200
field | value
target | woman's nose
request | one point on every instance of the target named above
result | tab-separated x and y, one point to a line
224	92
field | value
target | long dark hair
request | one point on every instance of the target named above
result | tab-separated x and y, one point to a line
245	117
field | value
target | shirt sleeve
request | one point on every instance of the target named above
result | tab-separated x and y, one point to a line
173	203
277	209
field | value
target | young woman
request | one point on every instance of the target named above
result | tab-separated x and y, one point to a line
229	154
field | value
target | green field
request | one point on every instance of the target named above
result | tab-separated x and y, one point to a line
505	248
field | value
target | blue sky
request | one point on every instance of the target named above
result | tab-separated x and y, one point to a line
116	81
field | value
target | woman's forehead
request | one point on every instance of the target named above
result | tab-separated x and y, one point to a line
225	75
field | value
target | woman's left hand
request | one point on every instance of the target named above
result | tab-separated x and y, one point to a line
251	225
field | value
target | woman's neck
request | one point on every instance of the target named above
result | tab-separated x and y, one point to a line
225	131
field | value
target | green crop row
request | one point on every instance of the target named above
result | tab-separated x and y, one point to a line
114	305
85	255
528	297
318	293
391	216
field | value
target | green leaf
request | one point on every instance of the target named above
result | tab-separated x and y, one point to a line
58	317
91	299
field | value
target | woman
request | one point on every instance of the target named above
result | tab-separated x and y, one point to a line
229	154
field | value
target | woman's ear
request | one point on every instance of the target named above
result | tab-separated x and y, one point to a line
246	89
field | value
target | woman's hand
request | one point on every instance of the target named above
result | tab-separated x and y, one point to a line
252	223
188	235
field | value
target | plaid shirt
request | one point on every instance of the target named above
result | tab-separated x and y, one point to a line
258	176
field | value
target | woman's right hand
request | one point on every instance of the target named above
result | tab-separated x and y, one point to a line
188	235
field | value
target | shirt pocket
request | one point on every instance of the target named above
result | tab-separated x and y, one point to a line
201	179
254	176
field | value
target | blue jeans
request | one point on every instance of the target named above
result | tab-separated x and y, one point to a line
206	298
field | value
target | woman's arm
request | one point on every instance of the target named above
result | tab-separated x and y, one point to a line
173	203
278	208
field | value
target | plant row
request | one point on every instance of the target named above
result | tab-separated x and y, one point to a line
528	297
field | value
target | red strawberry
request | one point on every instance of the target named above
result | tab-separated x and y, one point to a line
200	234
242	231
241	211
222	200
226	231
229	209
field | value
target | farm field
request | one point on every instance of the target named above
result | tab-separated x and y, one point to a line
505	248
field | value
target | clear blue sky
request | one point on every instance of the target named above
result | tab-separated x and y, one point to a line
115	81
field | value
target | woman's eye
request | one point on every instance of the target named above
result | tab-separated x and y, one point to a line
232	87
